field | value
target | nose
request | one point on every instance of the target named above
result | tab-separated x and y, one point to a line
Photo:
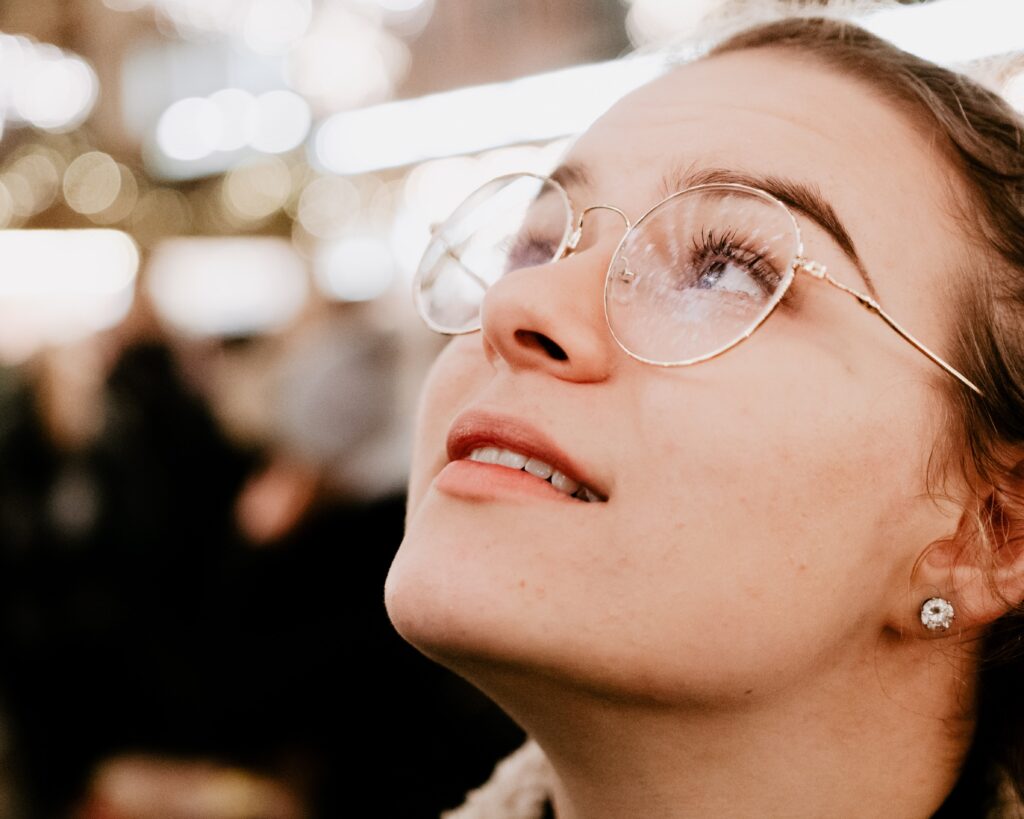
551	317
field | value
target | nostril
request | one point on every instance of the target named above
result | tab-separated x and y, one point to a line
534	339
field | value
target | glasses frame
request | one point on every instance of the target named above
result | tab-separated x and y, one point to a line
574	231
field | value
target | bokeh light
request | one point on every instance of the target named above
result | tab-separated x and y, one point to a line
257	190
44	86
666	21
356	268
328	206
217	286
92	183
279	122
57	286
346	60
236	108
124	202
274	26
191	128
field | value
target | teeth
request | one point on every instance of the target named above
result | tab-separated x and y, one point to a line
538	468
563	483
515	460
512	459
485	455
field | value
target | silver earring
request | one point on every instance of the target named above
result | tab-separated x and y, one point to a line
937	614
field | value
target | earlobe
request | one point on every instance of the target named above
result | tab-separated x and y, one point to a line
981	569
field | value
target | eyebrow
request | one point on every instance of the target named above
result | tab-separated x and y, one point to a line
800	196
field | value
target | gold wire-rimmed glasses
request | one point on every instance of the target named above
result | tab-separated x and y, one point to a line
693	277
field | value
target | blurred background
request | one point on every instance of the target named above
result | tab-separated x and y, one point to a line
210	215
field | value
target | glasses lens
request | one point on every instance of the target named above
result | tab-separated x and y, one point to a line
511	222
700	272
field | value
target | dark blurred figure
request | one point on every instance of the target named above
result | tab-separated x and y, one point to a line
181	613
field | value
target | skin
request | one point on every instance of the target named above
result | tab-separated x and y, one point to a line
734	633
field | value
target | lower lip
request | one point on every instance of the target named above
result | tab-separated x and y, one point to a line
479	481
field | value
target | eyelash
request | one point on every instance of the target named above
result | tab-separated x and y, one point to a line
727	246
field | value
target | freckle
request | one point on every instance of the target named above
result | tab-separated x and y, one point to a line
801	567
749	691
522	584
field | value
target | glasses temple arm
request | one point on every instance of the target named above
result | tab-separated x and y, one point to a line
819	273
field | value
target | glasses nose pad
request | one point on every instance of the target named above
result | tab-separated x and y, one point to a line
621	280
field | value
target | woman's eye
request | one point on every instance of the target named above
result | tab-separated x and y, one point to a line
724	274
529	250
721	262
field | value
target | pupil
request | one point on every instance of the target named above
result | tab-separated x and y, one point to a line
714	273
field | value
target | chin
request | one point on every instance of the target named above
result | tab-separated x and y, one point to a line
444	599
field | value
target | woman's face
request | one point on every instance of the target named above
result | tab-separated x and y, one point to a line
763	509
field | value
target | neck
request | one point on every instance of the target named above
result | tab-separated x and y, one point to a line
875	738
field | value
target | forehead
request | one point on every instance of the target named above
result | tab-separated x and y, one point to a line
777	113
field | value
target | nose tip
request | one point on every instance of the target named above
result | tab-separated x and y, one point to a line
551	318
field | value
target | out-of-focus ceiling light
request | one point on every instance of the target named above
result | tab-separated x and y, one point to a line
356	268
662	21
346	60
564	102
92	183
57	286
270	27
252	192
196	127
278	122
214	286
275	26
44	86
531	109
190	129
952	31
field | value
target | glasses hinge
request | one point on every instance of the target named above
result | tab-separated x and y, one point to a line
814	268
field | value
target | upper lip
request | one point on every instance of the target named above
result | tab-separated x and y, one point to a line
476	428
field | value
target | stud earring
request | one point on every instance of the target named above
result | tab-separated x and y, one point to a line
937	614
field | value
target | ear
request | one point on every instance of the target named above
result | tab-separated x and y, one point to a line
980	570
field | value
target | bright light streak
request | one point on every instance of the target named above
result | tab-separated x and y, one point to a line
472	119
952	31
213	286
57	286
565	102
401	6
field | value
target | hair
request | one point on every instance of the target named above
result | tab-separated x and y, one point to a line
980	135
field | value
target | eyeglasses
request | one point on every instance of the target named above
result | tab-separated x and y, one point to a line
694	276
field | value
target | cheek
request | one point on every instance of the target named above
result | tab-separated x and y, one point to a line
763	531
